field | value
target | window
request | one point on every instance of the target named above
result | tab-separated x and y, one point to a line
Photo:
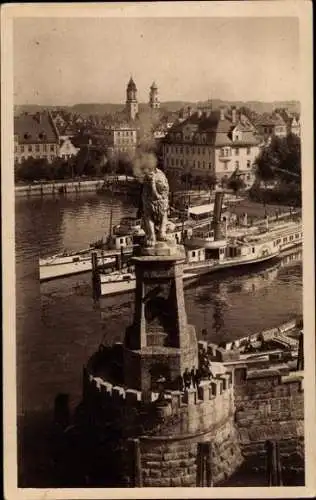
37	148
193	253
297	236
188	150
253	249
236	164
198	151
284	240
237	151
198	164
225	166
291	237
52	147
203	151
52	158
248	151
210	165
22	148
248	164
29	147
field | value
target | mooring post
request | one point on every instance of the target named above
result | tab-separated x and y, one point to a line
204	472
209	464
300	358
273	464
96	282
278	464
135	462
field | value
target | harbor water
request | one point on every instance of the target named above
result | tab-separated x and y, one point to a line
59	326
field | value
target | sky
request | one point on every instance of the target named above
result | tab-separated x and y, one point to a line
64	61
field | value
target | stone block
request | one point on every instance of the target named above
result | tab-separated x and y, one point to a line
118	393
153	464
226	381
176	399
204	390
155	473
189	396
162	482
132	396
188	480
176	482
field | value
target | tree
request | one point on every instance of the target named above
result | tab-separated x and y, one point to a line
211	181
236	183
280	160
32	169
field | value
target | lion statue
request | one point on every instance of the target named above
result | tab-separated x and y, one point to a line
155	198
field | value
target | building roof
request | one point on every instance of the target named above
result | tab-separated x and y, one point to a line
154	86
35	128
131	84
216	126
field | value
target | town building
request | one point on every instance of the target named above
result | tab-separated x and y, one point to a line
120	138
211	142
280	123
154	102
131	100
66	149
35	136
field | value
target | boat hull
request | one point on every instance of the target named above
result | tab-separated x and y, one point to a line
52	271
190	275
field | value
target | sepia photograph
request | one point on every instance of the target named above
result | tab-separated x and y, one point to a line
157	209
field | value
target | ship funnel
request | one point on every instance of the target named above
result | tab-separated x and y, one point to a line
219	196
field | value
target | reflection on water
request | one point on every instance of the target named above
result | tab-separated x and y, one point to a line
59	326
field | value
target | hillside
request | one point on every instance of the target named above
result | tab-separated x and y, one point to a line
171	106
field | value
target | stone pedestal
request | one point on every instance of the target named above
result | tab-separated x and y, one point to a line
159	342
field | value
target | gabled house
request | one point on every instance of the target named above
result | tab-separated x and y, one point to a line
35	136
211	143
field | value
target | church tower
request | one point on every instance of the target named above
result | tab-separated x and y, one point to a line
131	100
153	97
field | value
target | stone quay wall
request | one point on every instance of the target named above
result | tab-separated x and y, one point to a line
270	406
174	462
170	431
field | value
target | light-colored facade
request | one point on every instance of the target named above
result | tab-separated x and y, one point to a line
35	136
121	139
154	102
67	150
210	143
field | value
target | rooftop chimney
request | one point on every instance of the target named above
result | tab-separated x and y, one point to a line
38	117
222	113
234	115
199	113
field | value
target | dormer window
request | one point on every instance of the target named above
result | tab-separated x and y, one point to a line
27	136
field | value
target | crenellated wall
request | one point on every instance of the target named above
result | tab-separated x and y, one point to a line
170	430
234	414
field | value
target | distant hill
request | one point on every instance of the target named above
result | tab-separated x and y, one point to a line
171	106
